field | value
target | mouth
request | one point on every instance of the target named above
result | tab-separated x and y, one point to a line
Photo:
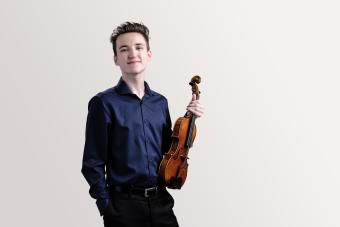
133	62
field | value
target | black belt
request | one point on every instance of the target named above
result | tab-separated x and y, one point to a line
145	192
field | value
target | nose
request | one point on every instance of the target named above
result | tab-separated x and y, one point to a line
132	53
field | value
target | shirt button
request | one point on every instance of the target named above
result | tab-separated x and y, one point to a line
145	122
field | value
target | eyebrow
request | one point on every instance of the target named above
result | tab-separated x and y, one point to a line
123	46
126	46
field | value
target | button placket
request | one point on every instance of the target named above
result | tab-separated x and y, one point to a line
145	136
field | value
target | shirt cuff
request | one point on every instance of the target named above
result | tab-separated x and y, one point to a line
102	205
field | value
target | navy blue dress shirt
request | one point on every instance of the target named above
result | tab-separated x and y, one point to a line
125	140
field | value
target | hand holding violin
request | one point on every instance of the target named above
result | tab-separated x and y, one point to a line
195	106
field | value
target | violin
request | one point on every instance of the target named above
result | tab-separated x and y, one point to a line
174	165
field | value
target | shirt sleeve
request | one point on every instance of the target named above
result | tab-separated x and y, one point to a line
167	131
95	151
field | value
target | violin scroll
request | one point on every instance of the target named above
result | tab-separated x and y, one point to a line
194	88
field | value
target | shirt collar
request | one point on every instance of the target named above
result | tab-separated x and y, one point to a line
123	89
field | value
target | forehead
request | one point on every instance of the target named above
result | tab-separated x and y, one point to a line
130	39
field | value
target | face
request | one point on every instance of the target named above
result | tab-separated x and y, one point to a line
132	54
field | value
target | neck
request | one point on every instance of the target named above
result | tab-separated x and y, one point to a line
136	84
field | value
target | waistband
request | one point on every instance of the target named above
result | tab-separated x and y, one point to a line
132	190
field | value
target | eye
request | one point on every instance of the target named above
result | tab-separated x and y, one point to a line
139	48
123	50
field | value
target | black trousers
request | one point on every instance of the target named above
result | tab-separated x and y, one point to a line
131	210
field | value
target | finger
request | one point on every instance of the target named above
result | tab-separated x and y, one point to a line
192	104
197	112
195	102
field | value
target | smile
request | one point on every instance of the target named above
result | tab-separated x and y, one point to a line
132	62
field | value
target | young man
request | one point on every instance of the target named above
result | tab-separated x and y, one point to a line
128	130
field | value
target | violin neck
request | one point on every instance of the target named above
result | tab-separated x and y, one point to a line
190	115
190	131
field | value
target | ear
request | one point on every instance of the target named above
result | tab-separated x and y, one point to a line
115	59
150	54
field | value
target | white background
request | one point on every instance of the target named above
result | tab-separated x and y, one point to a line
267	149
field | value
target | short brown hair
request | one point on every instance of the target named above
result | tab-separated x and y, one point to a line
129	27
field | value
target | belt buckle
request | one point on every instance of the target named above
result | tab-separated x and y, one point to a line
147	190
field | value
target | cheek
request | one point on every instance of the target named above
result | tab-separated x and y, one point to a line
147	58
119	60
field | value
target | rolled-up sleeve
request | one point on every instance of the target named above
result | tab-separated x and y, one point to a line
95	151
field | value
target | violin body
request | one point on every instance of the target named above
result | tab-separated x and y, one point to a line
174	165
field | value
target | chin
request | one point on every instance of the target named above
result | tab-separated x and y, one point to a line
135	71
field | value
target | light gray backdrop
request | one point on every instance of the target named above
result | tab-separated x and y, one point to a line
267	149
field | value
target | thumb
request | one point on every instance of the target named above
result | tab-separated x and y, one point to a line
193	97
